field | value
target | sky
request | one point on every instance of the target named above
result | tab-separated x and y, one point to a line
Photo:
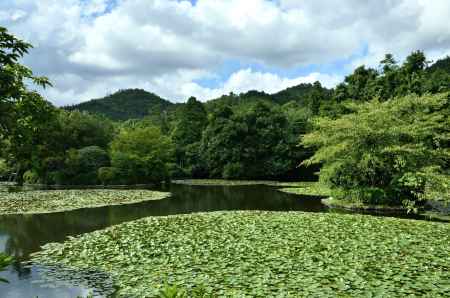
206	48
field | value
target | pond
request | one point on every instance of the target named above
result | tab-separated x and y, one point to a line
21	235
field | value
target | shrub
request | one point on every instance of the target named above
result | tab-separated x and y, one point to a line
93	158
30	177
107	175
81	165
232	171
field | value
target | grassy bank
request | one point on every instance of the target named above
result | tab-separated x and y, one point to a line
307	189
47	201
224	182
266	254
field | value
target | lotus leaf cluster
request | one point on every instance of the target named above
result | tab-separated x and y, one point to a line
266	254
47	201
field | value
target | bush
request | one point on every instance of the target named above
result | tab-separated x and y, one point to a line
81	165
233	171
107	175
30	177
386	153
93	158
56	177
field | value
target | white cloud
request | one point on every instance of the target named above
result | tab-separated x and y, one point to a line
89	48
238	82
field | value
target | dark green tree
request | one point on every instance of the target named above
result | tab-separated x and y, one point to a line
188	133
249	143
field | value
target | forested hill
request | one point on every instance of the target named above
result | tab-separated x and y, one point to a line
441	65
124	104
138	103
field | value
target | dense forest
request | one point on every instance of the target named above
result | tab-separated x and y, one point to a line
382	135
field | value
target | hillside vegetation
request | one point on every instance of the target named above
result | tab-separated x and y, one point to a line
382	136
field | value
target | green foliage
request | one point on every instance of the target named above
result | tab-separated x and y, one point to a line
30	177
25	115
13	76
413	76
172	292
81	166
141	155
386	153
123	105
441	65
28	121
107	175
82	129
34	202
255	142
265	254
5	261
4	168
253	135
187	135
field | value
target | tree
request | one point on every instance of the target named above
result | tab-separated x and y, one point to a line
25	116
248	143
82	129
360	85
81	166
386	152
141	155
416	62
12	77
188	131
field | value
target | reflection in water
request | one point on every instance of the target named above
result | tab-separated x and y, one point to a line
21	235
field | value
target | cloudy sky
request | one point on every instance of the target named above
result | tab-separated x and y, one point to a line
205	48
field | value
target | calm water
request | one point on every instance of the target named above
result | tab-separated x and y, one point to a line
21	235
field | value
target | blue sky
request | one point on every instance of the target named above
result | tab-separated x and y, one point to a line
206	48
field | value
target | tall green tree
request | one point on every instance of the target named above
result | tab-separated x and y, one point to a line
248	143
188	133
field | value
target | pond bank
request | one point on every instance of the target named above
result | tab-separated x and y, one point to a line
223	182
266	254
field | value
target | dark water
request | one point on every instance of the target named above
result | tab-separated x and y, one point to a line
21	235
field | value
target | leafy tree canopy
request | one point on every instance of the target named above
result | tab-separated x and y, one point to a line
386	152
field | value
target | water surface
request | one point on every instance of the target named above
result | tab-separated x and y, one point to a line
21	235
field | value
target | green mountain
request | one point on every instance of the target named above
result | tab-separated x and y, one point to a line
300	93
441	64
137	103
124	104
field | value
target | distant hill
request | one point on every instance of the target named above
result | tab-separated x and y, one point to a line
299	93
124	104
441	64
137	103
